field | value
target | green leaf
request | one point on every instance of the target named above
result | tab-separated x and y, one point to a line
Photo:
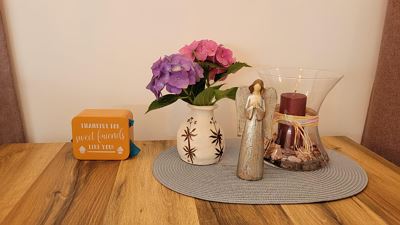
198	87
184	97
231	69
236	67
205	97
228	93
209	65
186	100
162	102
218	86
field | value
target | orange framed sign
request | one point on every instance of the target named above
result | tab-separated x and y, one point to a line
102	134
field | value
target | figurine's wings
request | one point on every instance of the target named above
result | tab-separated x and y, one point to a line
242	95
270	98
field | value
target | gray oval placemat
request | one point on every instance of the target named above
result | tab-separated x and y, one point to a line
342	178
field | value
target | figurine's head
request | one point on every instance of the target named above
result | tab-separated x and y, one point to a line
258	85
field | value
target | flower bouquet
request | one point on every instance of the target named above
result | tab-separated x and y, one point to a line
194	75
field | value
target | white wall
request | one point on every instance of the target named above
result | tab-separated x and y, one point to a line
72	54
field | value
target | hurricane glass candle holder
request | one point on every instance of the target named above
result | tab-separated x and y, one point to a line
296	144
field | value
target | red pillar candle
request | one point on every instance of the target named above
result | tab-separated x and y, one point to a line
291	104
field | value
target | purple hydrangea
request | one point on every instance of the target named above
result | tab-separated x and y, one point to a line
174	72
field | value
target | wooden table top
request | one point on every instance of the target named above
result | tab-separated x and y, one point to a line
44	184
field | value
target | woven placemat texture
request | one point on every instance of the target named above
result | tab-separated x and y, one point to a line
342	178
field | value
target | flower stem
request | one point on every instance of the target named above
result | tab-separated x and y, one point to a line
188	96
208	82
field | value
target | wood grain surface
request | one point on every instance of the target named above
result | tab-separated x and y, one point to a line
44	184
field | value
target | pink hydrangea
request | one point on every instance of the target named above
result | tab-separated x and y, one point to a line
209	51
188	50
200	50
224	56
205	49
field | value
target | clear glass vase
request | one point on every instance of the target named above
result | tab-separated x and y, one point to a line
296	144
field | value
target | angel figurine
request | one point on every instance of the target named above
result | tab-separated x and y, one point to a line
255	107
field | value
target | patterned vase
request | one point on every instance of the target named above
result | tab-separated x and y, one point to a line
200	140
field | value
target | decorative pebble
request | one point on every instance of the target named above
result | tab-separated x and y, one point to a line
276	154
288	151
294	159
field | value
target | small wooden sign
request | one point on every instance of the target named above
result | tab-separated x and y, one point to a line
102	134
